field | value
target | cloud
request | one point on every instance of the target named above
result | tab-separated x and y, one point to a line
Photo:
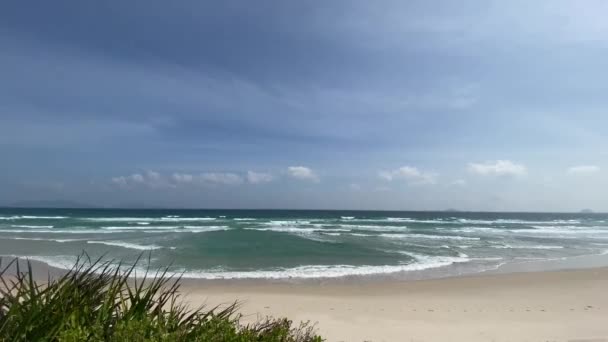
303	173
156	180
459	182
497	168
410	174
583	169
258	177
182	178
226	178
124	181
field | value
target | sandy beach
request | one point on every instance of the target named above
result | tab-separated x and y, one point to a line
540	306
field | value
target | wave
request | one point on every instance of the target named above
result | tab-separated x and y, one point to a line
512	221
125	245
187	219
347	218
204	229
564	230
26	217
148	219
326	271
244	219
119	219
458	221
301	272
425	236
506	246
286	223
373	227
138	228
299	230
63	231
32	227
40	239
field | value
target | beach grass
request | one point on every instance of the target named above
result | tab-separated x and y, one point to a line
98	301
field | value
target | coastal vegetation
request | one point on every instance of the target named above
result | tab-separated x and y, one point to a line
96	301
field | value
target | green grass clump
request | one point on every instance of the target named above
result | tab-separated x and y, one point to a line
97	302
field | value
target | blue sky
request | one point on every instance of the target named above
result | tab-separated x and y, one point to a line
474	105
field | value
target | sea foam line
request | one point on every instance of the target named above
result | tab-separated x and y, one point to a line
39	239
125	245
26	217
29	226
424	236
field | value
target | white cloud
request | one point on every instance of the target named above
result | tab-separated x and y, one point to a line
182	178
583	169
154	179
120	181
137	178
226	178
410	174
153	176
258	177
498	168
459	182
354	187
303	173
124	181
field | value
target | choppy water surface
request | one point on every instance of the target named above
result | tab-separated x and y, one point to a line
214	244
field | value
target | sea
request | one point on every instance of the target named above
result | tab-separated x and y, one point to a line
301	244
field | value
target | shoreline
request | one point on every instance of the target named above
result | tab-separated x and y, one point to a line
548	305
455	270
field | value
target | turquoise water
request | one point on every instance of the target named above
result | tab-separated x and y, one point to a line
228	244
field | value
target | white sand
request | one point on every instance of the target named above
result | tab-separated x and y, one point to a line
541	306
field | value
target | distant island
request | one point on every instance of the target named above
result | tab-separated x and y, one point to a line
586	211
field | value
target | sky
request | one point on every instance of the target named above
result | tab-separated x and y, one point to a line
395	105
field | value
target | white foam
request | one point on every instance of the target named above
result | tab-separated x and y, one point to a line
26	217
119	219
32	227
424	236
41	239
244	219
286	223
204	229
561	230
125	245
126	228
373	227
187	219
143	223
286	230
507	246
325	271
347	218
511	221
149	219
304	272
299	230
63	231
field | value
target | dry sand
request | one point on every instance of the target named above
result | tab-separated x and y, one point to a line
539	306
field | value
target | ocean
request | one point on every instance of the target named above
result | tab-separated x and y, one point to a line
294	244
